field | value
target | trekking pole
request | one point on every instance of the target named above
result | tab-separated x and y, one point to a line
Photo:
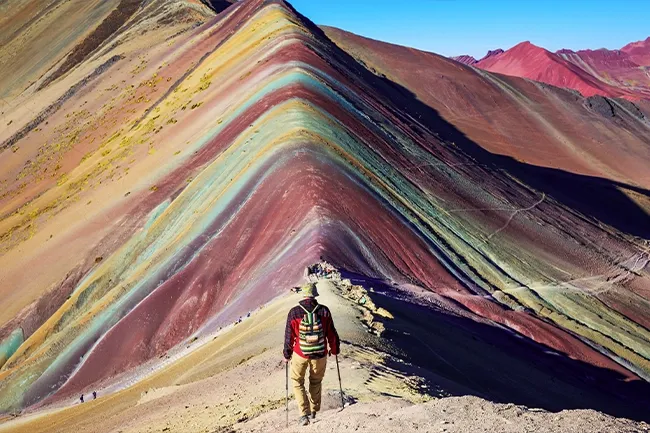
340	386
286	368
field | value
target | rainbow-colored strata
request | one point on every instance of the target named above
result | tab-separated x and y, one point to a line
252	146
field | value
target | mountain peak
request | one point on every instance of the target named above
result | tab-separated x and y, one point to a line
639	51
527	45
517	56
469	60
465	59
492	53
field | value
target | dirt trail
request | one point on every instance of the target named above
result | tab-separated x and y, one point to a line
451	415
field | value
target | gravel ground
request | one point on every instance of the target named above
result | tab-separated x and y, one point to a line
450	415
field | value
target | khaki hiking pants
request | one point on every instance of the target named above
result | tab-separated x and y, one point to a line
299	366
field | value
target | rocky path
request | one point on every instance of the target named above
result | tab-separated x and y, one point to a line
448	415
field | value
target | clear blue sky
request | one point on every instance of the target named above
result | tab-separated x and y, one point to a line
453	27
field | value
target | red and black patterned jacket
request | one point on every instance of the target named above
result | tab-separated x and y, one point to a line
291	341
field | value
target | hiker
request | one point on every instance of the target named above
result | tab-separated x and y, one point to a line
82	398
311	270
94	395
308	333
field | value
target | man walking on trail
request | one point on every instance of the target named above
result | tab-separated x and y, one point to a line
308	333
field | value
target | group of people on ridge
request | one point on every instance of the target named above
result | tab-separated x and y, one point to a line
94	396
321	270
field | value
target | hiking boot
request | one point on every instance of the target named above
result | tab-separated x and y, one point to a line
313	415
303	420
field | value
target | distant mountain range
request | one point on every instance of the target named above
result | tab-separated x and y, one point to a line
616	73
469	60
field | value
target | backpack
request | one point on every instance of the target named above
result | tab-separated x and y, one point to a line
312	334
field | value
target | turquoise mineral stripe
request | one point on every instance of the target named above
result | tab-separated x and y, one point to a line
155	213
10	344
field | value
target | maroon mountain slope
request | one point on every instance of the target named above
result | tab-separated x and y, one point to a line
639	51
530	61
614	73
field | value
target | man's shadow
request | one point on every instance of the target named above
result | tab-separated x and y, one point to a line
457	356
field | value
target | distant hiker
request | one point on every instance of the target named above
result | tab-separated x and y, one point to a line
81	398
308	333
94	395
